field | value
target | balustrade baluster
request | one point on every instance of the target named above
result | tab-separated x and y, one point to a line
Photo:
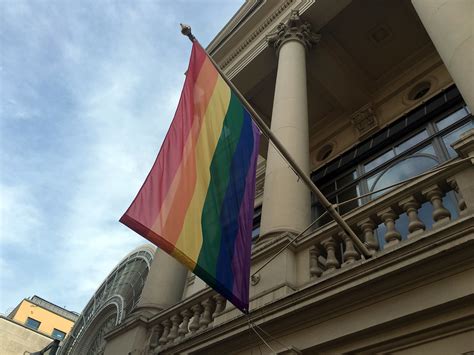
220	305
208	305
314	269
197	309
461	203
441	215
350	254
183	329
175	321
411	206
166	330
368	226
331	261
155	335
392	236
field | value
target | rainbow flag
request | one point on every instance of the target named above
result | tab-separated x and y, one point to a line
197	201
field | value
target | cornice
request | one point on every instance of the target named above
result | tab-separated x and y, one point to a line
256	42
242	15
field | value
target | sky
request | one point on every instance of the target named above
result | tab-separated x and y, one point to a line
87	91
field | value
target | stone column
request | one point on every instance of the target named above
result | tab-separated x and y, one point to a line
449	24
286	201
164	284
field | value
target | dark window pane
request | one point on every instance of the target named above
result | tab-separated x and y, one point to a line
256	232
346	179
411	142
32	323
450	138
379	161
397	127
416	116
347	157
452	118
328	189
452	93
347	195
57	334
379	138
435	104
332	167
363	148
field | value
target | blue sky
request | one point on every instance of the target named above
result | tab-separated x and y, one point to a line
87	91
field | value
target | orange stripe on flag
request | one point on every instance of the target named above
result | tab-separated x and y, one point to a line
182	187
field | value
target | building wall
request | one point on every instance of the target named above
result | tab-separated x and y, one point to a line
16	339
414	296
49	320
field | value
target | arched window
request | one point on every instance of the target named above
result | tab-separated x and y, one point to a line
402	170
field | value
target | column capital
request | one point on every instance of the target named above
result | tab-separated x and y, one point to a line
293	29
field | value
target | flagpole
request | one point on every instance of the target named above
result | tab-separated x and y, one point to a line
186	30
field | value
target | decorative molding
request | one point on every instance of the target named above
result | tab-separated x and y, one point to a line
255	279
247	9
365	121
243	55
293	29
268	21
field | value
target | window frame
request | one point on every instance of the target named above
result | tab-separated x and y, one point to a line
55	330
29	320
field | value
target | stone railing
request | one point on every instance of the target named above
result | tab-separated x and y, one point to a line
331	249
187	319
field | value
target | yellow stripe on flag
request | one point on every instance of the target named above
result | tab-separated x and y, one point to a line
190	239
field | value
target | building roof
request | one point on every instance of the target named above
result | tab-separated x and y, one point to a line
41	302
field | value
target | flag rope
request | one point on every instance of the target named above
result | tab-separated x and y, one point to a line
258	334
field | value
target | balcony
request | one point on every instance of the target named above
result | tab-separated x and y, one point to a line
329	276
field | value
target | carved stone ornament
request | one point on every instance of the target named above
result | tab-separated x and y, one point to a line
294	29
364	121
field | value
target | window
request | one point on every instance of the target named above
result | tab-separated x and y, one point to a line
419	150
32	323
57	334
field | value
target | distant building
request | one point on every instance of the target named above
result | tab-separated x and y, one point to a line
33	325
47	318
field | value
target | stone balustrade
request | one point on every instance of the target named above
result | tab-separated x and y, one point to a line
331	249
186	319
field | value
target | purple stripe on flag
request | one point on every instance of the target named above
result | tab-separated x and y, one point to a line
242	246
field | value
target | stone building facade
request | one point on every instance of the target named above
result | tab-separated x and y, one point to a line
364	94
